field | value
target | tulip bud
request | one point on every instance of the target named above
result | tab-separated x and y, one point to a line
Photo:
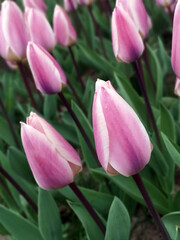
127	43
39	4
175	57
64	31
70	5
165	3
14	31
36	21
122	143
53	161
177	87
84	2
138	13
48	76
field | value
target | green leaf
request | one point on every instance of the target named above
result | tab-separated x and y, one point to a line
176	202
92	230
172	223
5	133
50	106
89	158
172	148
19	164
118	224
17	226
128	186
167	124
48	217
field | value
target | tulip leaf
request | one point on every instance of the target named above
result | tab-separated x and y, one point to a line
176	202
48	217
50	106
89	158
128	186
172	148
167	124
100	201
5	133
172	223
17	226
19	164
118	223
91	228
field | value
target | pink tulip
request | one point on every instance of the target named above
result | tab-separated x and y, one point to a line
84	2
175	57
39	28
14	31
70	5
122	143
64	31
177	87
127	42
48	75
165	3
138	13
39	4
53	161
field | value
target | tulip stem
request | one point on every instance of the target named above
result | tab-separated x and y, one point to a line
152	210
18	188
170	14
103	8
139	72
9	123
26	83
89	208
146	59
109	6
97	31
76	67
86	138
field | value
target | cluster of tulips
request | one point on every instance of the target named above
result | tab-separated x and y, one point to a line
122	143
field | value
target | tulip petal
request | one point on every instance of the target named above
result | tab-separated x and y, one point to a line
49	168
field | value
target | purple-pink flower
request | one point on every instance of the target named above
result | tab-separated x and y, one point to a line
53	161
38	4
122	143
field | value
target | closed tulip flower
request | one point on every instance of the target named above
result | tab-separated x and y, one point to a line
122	143
65	33
70	5
39	4
175	57
138	13
53	161
165	3
177	87
36	21
14	31
127	42
48	75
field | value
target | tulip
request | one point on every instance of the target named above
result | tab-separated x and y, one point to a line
39	4
127	42
177	87
138	14
84	2
122	143
14	31
36	21
48	76
53	161
165	3
175	57
64	31
70	5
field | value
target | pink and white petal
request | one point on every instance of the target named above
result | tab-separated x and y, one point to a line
49	168
101	136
